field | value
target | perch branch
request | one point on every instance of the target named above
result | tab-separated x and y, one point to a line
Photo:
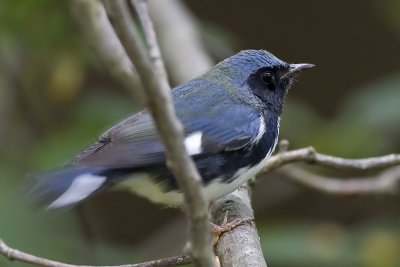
160	104
241	245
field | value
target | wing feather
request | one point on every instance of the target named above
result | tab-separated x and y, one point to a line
134	142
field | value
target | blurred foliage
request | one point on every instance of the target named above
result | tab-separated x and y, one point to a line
327	244
56	97
389	12
367	114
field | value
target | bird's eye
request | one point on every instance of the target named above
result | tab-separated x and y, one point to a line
266	77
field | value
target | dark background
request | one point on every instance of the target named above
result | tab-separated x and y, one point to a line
56	97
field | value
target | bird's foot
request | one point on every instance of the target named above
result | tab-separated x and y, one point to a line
219	230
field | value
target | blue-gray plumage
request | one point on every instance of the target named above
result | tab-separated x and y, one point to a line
231	119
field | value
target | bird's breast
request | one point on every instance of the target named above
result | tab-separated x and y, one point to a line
221	172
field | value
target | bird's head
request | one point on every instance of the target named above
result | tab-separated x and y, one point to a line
260	76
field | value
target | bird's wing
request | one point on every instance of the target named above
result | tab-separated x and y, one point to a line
226	128
132	142
135	142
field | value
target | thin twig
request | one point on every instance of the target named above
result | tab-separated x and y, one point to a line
150	35
160	104
180	39
385	182
309	155
14	254
100	33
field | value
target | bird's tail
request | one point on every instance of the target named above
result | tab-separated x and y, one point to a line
70	185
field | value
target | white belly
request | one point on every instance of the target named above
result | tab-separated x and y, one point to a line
145	186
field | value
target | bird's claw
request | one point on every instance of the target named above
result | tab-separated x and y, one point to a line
219	230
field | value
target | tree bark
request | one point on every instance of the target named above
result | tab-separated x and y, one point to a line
240	246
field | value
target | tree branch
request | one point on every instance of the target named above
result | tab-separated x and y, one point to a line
14	254
160	104
150	35
101	35
241	245
168	16
185	56
385	182
309	155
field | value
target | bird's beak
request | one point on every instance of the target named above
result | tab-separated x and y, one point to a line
295	68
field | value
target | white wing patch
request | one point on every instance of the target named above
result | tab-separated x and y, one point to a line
82	186
193	143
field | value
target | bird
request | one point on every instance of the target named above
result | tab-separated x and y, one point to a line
230	115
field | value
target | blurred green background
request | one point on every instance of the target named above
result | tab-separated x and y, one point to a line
56	96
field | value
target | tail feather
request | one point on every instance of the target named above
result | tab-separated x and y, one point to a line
69	186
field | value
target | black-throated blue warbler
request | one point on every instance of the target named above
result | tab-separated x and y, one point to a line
231	120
